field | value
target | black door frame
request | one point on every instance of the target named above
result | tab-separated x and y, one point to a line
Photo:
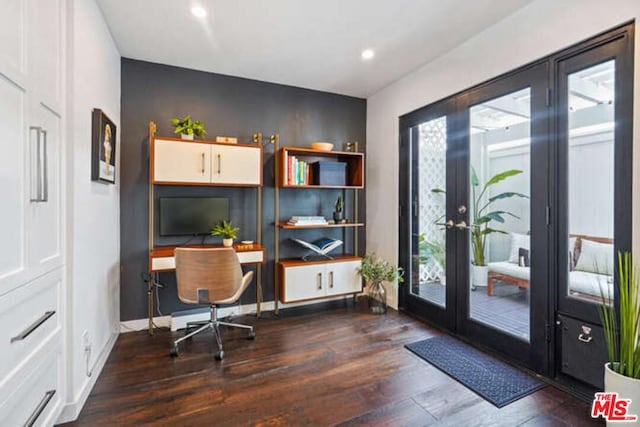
534	353
616	44
408	211
554	203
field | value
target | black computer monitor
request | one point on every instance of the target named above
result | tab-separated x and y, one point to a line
191	216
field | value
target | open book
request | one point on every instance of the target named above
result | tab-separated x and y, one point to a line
321	246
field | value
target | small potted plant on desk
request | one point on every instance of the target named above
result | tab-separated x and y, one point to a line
188	128
375	270
227	231
622	334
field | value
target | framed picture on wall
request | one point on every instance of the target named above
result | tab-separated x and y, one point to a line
103	147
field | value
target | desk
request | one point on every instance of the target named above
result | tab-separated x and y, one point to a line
161	259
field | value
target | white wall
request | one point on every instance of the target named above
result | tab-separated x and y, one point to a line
539	29
94	221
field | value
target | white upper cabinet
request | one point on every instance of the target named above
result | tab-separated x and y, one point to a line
45	52
204	163
31	61
181	162
236	165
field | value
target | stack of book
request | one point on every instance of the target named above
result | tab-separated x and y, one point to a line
298	171
307	220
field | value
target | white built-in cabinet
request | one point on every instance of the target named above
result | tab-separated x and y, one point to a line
31	220
206	163
301	280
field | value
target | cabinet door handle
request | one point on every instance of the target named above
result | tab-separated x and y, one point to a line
45	174
43	404
35	325
202	169
319	281
35	171
331	279
219	164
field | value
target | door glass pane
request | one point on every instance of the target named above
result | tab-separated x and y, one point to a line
499	211
429	252
590	175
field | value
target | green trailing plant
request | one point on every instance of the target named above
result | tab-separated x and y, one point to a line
375	269
225	229
622	332
436	250
188	127
482	213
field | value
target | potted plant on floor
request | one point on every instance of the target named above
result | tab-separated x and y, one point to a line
482	214
622	334
188	128
375	271
227	231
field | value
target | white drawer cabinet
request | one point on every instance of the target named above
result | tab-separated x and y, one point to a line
206	163
29	315
36	397
301	280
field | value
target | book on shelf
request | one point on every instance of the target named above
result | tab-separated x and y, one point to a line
311	220
321	246
298	171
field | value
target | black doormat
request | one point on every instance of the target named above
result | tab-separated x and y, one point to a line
492	379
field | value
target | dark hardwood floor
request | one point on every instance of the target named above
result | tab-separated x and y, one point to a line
337	366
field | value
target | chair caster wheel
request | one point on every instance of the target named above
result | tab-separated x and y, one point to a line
251	336
174	351
219	355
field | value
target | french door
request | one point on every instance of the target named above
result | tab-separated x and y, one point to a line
478	215
514	198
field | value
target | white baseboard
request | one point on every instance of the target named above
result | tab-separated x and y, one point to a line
71	411
142	324
180	322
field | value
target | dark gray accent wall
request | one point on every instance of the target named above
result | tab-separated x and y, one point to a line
228	106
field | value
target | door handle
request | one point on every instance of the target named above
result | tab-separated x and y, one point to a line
319	281
219	164
45	174
331	279
462	225
202	169
35	171
449	224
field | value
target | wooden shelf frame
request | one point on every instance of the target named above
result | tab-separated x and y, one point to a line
354	161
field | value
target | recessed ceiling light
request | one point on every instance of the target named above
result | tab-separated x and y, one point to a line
198	11
368	54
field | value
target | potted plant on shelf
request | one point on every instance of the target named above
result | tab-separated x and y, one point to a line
622	335
188	128
338	211
375	270
227	231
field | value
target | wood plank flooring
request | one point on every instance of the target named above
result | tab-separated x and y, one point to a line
338	366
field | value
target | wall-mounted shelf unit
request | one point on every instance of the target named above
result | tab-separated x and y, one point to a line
174	161
299	280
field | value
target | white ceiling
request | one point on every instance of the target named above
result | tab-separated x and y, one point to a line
310	44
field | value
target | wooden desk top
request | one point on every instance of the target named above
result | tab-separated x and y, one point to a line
168	251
